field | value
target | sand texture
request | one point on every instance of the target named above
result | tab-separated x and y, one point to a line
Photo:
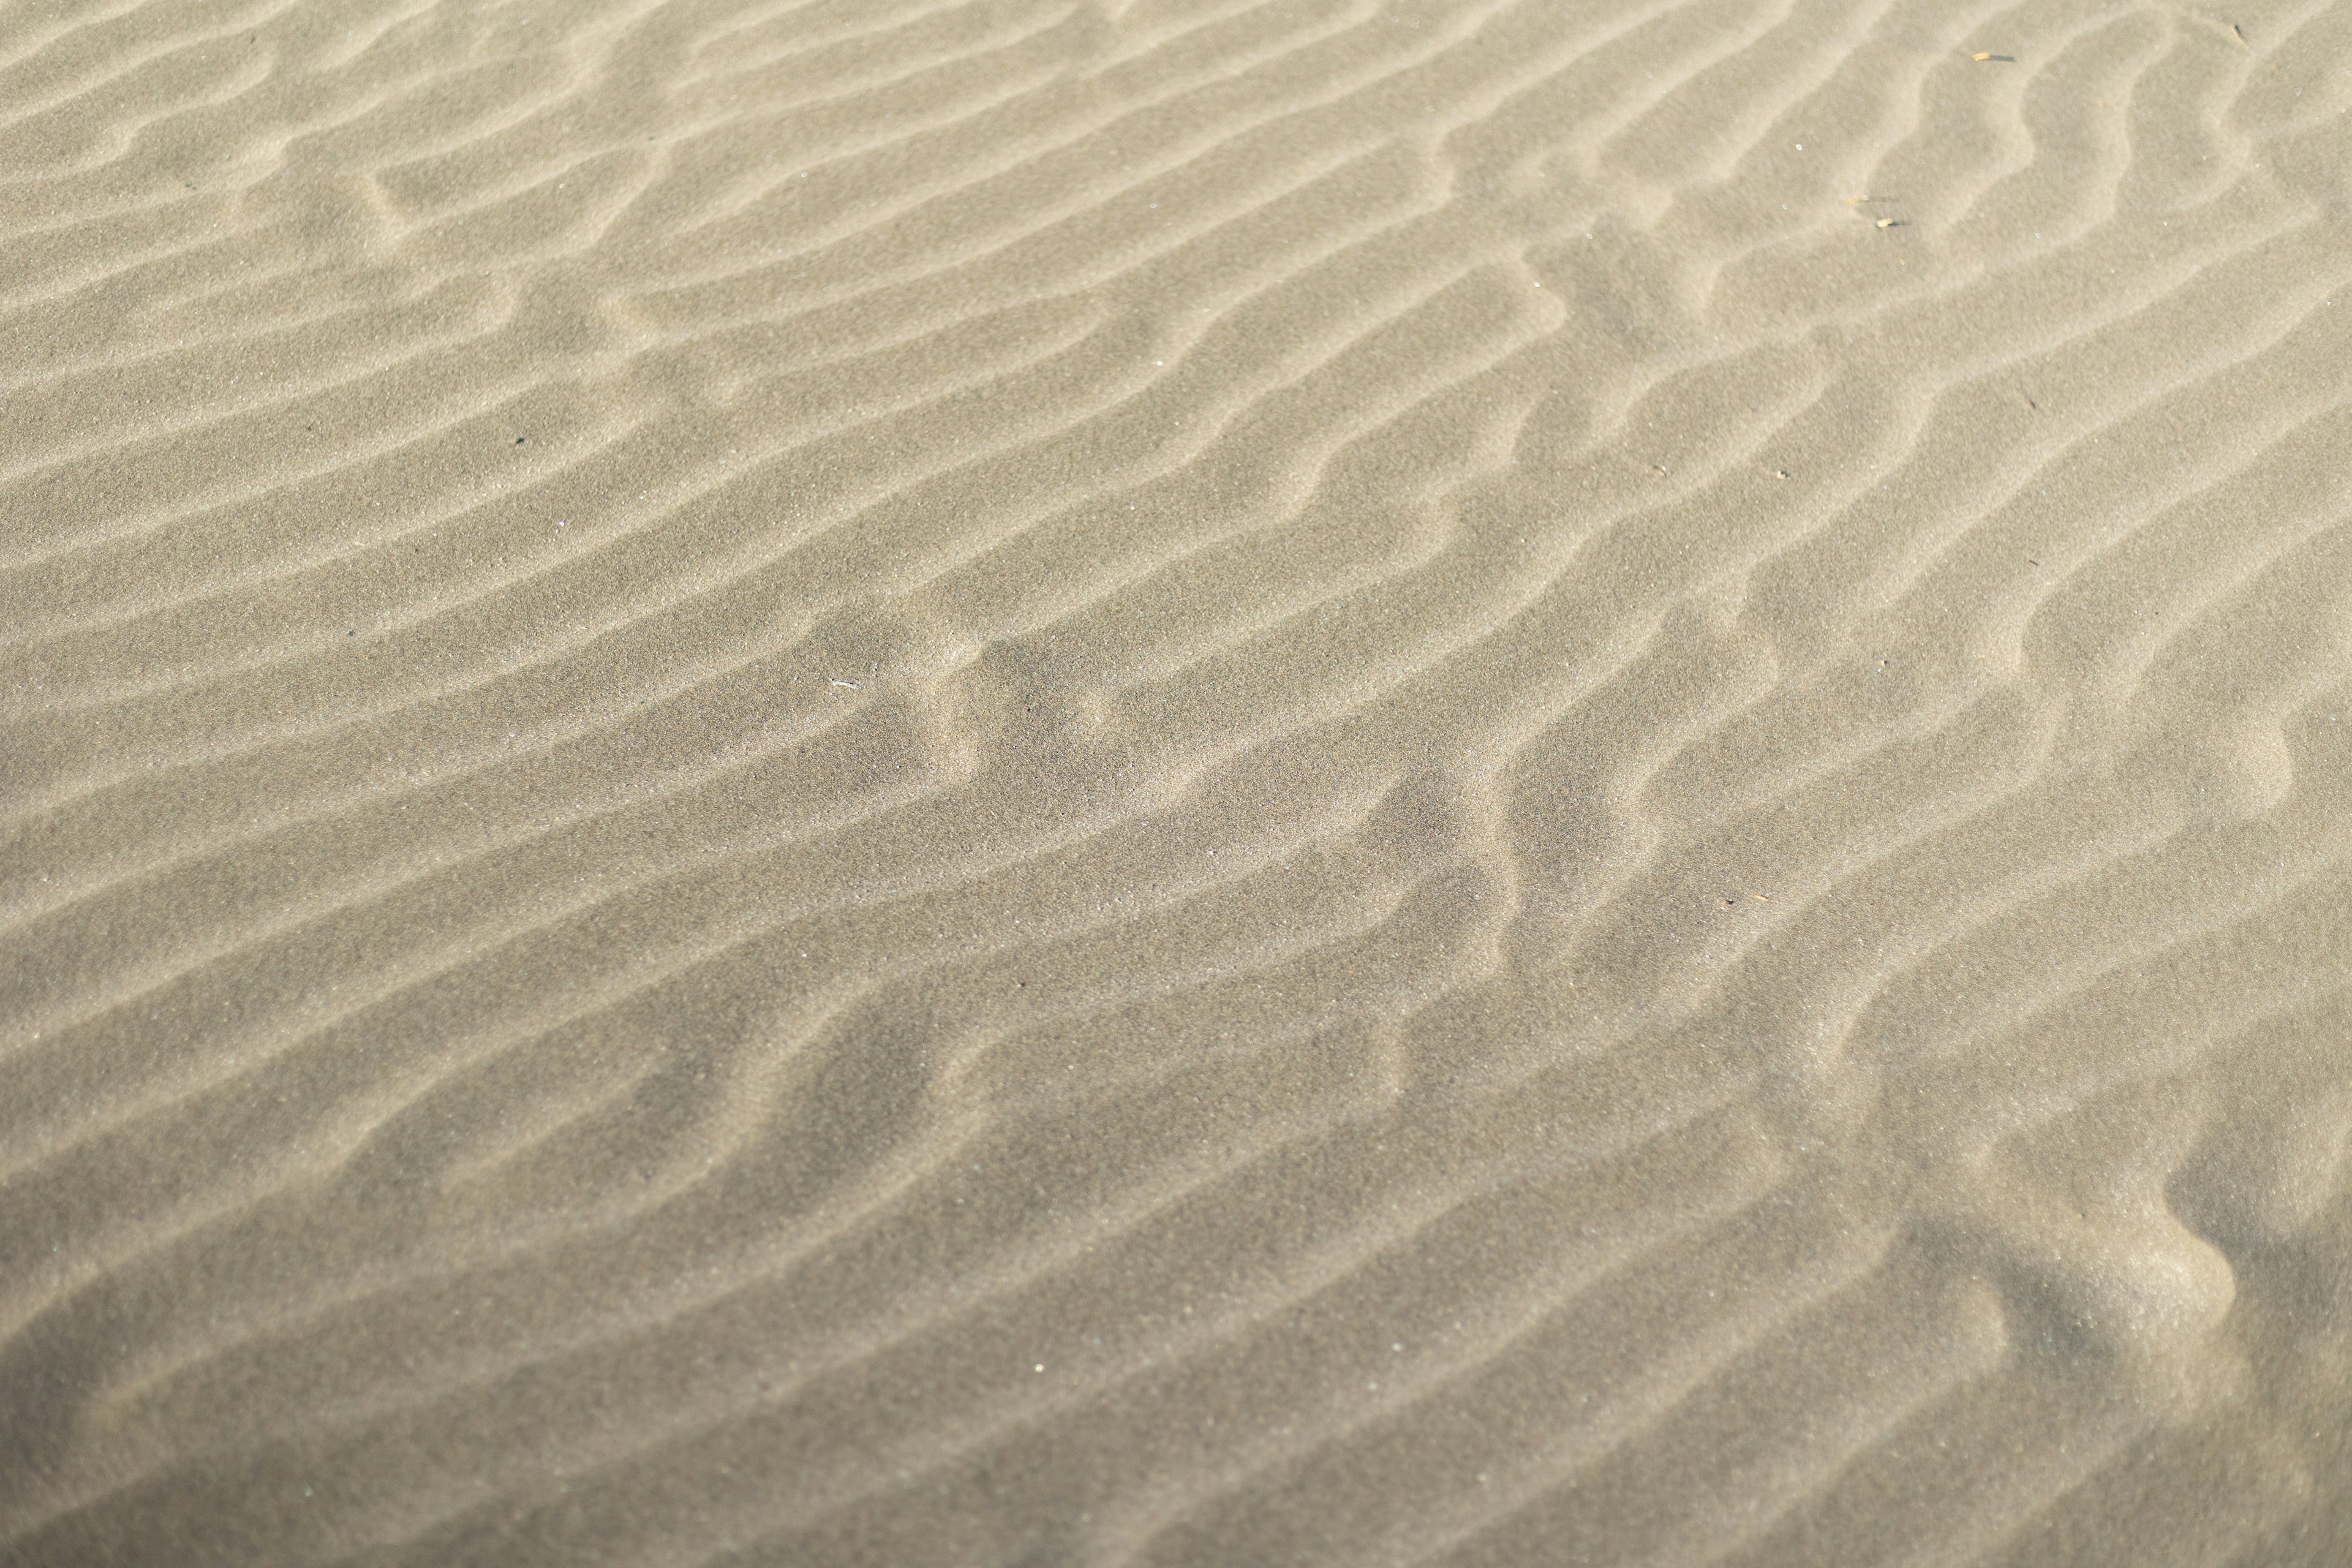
986	783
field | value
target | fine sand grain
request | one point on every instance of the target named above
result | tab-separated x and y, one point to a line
1192	782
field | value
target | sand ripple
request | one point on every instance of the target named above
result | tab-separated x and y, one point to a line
1303	782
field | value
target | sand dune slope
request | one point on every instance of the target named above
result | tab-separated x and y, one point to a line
1192	782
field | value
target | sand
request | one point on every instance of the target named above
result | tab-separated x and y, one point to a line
1454	782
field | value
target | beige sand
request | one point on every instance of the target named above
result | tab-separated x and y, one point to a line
1308	783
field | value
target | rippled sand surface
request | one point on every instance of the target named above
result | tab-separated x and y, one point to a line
880	782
